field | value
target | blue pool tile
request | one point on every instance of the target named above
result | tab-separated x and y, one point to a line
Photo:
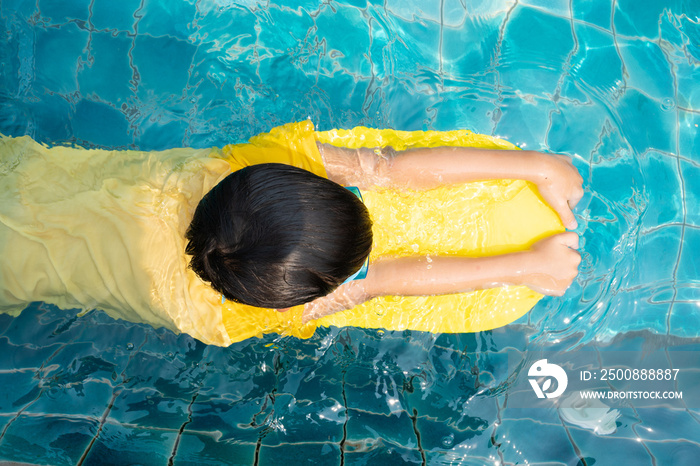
59	75
21	8
608	449
689	265
425	11
454	13
663	190
356	42
647	68
616	183
107	78
380	454
663	293
312	385
76	364
23	329
60	12
167	18
518	441
463	454
54	115
384	401
689	135
461	107
365	429
631	310
660	248
568	136
290	422
688	292
89	399
120	444
301	422
468	50
685	320
56	440
553	7
670	452
688	96
25	390
656	130
148	408
114	16
691	183
596	65
323	452
527	60
633	18
25	356
205	448
438	434
524	123
598	13
231	421
100	124
152	56
662	424
412	33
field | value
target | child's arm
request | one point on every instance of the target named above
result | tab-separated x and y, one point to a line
548	267
556	178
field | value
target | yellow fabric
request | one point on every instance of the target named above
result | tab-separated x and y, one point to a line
290	144
475	219
100	229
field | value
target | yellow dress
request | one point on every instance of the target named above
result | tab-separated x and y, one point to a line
105	229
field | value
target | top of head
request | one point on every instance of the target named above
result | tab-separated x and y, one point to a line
273	235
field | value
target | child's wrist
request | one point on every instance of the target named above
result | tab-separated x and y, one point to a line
538	166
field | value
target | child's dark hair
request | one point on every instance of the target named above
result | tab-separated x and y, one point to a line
276	236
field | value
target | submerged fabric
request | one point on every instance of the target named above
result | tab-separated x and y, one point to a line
99	229
95	229
474	219
105	229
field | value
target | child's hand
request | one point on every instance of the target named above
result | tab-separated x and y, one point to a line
552	264
560	184
344	297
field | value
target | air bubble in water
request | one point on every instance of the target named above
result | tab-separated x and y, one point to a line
448	441
668	104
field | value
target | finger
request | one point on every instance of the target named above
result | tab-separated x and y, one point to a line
575	198
569	239
566	215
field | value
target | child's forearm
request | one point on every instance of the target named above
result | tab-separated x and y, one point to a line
557	179
426	168
548	267
421	276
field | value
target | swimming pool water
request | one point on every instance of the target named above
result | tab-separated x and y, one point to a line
612	83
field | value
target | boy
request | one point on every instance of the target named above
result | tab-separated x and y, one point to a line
99	229
235	269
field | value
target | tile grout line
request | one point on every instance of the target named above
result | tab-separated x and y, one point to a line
103	420
682	190
171	460
345	424
41	392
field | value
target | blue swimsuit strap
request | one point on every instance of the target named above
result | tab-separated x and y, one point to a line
362	273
